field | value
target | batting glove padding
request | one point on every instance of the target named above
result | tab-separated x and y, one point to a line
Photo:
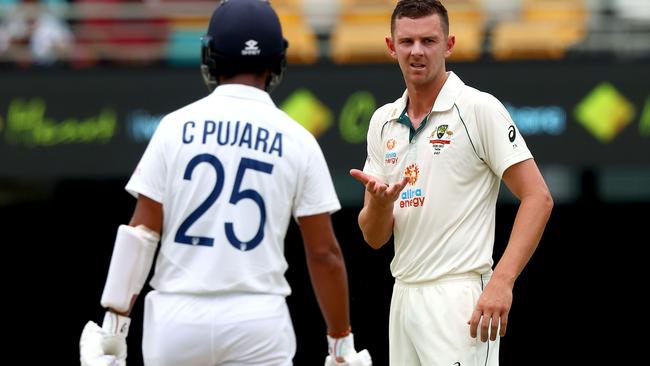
344	347
105	346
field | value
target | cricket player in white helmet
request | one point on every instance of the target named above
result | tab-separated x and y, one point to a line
217	186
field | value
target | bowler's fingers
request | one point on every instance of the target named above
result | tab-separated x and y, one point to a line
373	185
360	176
488	325
398	187
485	323
494	326
504	324
474	321
498	323
376	188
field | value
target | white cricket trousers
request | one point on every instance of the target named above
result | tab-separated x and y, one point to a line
428	323
206	330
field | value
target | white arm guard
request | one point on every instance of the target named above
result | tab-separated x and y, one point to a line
344	347
131	262
105	346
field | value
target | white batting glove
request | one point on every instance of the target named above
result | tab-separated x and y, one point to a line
105	346
343	348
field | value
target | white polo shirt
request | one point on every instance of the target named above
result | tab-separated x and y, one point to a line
230	170
445	217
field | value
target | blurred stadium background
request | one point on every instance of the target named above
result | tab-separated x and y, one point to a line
84	83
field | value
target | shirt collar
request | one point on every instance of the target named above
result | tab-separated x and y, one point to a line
444	102
243	92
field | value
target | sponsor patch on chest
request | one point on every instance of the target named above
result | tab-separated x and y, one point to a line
412	196
440	137
390	157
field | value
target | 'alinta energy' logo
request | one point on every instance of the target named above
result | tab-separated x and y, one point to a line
412	197
604	112
391	156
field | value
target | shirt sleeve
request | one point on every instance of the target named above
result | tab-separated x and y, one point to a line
374	163
150	174
316	193
501	143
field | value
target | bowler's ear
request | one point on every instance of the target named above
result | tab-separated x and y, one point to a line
391	46
451	41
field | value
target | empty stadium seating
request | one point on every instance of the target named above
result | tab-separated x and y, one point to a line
169	31
544	29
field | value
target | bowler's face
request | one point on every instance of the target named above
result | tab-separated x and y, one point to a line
420	47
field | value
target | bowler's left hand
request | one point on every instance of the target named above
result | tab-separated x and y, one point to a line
491	311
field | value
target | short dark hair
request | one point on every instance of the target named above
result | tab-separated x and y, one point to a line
418	9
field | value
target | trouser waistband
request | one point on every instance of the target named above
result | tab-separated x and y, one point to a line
484	277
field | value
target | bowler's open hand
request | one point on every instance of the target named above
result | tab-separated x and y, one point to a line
380	192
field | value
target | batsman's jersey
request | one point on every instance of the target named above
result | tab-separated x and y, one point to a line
445	216
230	170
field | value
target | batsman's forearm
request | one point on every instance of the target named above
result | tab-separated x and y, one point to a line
330	282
